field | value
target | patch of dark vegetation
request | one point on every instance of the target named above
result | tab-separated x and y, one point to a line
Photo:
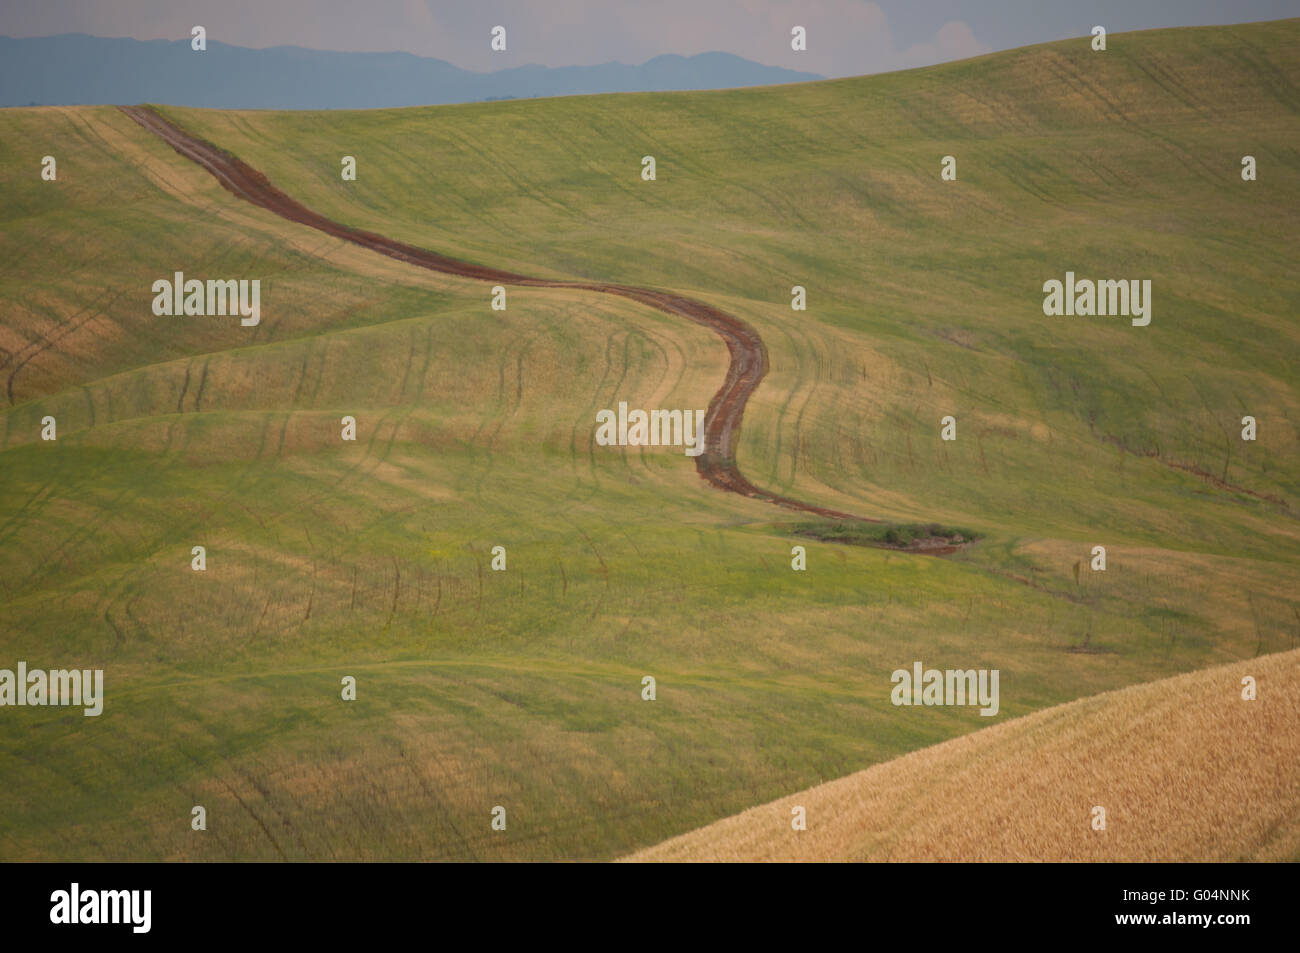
911	537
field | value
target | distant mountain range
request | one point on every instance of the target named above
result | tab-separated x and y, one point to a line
76	69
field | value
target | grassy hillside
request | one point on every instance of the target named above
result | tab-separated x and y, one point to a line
478	688
1185	769
924	295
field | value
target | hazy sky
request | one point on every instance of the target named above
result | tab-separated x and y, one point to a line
845	37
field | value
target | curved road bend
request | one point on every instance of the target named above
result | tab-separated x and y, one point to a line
748	363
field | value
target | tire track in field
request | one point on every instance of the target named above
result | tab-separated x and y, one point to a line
22	357
747	363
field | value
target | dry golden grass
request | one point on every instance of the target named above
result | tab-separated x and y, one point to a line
1186	770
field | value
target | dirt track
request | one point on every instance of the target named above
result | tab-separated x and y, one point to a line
748	356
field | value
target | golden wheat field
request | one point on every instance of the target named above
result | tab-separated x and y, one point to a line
1185	768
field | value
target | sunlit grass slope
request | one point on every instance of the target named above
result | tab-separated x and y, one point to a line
924	296
1185	769
522	689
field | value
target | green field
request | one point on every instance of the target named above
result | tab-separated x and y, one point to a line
475	429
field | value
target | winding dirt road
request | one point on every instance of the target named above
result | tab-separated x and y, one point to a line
748	363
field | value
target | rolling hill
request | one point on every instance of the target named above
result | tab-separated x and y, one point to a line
522	688
1185	768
